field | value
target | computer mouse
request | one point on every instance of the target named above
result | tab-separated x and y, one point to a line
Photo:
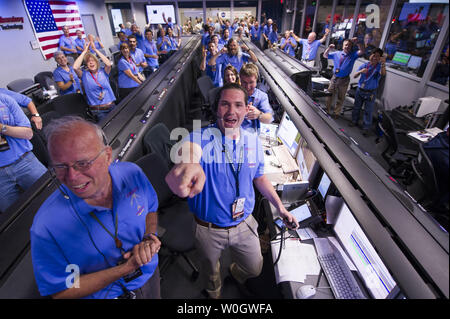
268	152
306	292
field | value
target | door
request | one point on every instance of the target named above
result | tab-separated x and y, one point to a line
90	27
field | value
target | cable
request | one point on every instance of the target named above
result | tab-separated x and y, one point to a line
281	245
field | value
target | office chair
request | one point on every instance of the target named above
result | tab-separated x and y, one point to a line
157	140
424	174
20	85
325	71
174	216
45	79
113	49
205	84
40	147
397	156
71	104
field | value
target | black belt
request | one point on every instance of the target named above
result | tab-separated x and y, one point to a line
368	91
17	160
205	224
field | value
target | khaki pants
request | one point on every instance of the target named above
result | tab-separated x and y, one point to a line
339	86
243	242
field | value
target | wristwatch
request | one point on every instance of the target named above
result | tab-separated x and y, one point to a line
35	114
4	129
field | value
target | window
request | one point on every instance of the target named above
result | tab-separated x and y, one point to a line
413	33
370	23
342	22
309	17
440	73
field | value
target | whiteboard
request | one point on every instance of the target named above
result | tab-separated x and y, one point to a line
154	13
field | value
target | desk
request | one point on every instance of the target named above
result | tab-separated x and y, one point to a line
289	288
423	136
405	120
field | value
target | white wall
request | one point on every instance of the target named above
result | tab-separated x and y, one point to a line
19	60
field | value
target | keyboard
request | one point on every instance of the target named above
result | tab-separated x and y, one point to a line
339	275
288	163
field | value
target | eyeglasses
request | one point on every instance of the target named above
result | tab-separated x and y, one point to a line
79	166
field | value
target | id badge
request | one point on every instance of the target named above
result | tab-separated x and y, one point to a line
101	95
238	208
337	71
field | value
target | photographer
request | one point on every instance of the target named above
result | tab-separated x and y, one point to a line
100	222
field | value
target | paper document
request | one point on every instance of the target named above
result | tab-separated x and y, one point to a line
425	135
297	260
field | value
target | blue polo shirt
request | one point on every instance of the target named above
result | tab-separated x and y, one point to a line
11	114
256	33
93	89
124	80
289	49
205	39
309	49
261	102
235	60
173	44
138	57
61	75
97	46
267	30
66	42
150	48
370	80
214	72
63	233
80	42
223	42
165	46
21	99
230	29
214	203
344	62
273	37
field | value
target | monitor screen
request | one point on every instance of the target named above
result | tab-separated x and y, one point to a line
301	213
371	268
154	13
288	134
414	62
306	161
401	58
324	185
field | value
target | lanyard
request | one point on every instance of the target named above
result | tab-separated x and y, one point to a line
233	167
132	63
117	241
341	61
369	72
96	80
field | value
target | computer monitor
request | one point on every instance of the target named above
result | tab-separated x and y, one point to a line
414	62
288	134
401	58
324	185
371	268
307	162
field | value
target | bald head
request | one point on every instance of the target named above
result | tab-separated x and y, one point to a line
312	37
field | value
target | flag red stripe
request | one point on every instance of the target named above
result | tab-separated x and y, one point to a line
64	11
50	46
67	19
61	3
72	26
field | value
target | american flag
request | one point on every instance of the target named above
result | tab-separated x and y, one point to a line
48	18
